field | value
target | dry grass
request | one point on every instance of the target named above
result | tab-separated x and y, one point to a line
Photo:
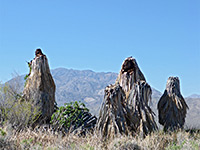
30	139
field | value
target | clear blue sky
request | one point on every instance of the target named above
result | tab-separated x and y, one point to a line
163	35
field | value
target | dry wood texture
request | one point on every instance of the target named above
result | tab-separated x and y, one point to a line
112	119
142	117
129	74
125	106
40	86
172	107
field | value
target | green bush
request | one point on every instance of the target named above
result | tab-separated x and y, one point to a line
69	115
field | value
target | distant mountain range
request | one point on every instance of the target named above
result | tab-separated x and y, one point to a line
88	86
194	96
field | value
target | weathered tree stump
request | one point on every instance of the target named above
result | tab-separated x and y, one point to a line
142	117
129	74
40	86
172	107
112	116
125	107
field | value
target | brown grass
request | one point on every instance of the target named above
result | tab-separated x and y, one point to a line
30	139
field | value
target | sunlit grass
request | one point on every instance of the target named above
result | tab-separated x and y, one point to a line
32	139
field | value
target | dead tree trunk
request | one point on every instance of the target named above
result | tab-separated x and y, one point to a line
141	114
40	86
172	107
125	107
112	116
129	74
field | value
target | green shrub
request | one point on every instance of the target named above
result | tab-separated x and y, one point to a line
69	115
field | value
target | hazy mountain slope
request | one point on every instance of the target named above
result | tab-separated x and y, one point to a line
194	96
193	115
88	86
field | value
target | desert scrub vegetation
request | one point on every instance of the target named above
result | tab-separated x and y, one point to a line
14	110
69	114
73	116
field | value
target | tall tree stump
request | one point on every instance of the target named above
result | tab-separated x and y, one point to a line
40	86
129	74
112	116
142	117
125	107
172	107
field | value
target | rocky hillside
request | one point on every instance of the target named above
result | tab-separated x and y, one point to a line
88	86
